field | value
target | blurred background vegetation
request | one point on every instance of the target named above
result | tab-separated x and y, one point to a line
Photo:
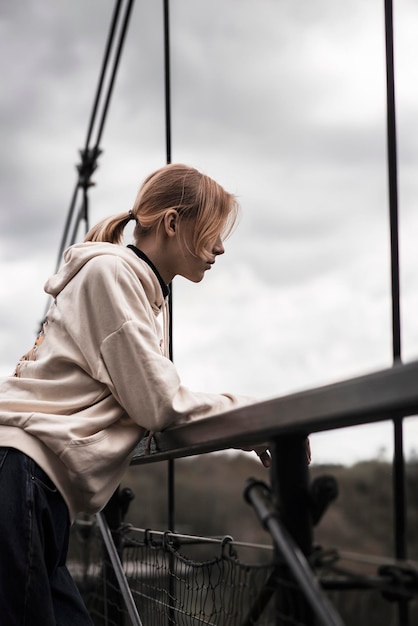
358	525
209	501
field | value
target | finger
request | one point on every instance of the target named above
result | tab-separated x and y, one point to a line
265	458
308	451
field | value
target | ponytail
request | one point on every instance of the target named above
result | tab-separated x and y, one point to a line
110	229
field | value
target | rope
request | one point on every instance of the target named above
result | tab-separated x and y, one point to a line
90	154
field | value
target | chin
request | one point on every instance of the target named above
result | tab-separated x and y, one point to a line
196	278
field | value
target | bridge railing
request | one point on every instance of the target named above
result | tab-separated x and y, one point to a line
284	507
390	394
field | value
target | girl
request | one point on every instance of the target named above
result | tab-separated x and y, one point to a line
97	379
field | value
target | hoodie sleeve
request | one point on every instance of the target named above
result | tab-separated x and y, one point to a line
147	385
142	380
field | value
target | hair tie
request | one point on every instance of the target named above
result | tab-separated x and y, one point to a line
131	215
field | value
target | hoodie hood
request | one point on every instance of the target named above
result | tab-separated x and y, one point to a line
78	255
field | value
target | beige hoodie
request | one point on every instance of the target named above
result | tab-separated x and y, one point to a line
97	378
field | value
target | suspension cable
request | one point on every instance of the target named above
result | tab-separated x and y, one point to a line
398	458
89	155
167	104
167	80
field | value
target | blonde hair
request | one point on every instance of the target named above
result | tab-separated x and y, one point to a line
192	194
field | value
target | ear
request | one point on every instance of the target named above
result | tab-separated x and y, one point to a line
171	222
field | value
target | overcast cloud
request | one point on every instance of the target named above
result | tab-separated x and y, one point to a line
284	104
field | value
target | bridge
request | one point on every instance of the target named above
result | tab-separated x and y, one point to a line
145	576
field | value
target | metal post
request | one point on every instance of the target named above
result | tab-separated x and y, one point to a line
309	605
290	486
114	597
117	570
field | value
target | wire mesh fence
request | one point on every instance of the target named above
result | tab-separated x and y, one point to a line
186	582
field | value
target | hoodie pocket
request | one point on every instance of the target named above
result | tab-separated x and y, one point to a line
81	455
93	461
97	463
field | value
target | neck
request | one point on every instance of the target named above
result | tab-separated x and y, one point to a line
157	253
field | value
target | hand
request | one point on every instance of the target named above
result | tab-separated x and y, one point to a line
308	451
262	453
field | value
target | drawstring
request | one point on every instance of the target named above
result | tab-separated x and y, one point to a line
166	339
166	327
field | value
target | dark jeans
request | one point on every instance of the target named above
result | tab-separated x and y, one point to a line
36	589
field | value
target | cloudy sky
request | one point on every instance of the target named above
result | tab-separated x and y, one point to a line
284	104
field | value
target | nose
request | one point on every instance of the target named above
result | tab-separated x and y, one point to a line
218	247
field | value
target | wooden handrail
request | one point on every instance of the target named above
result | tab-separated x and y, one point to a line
388	394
